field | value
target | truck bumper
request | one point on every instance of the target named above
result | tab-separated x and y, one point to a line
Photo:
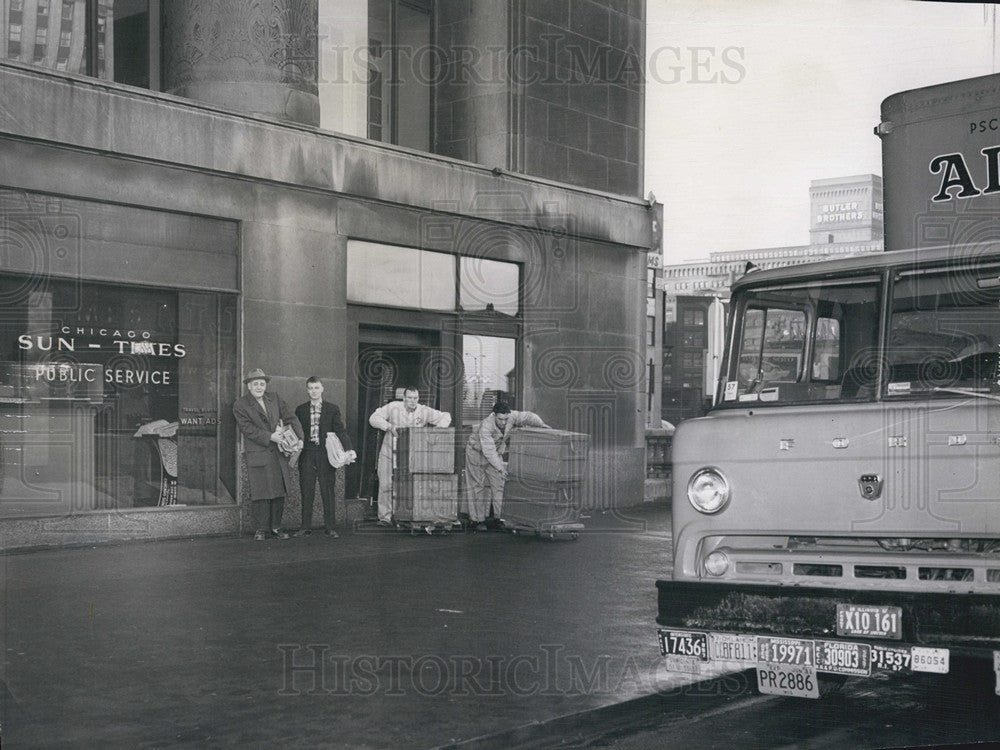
801	630
968	624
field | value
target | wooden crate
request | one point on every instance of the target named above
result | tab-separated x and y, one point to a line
425	498
550	455
540	505
425	450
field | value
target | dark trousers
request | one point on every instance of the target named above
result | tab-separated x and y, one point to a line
267	513
314	465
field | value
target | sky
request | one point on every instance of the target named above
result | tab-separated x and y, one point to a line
747	101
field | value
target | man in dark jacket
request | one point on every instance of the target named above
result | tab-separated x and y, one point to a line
262	418
318	417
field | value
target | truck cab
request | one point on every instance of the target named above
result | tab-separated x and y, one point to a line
837	512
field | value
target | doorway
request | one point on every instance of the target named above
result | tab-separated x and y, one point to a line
389	361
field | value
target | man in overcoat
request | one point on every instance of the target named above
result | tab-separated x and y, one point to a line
261	418
318	417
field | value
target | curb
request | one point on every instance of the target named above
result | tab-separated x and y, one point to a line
696	700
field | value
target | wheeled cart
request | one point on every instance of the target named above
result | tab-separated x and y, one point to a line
425	503
547	509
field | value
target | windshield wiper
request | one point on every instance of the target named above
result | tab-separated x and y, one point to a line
966	392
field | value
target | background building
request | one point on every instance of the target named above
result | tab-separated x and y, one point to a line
846	220
378	193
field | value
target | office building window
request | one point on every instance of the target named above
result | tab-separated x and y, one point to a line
111	39
399	72
394	276
489	285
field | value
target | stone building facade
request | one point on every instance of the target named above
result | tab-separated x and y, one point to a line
191	189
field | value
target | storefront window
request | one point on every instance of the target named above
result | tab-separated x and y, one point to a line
112	396
489	366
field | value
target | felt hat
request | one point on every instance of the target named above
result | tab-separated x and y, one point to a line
257	374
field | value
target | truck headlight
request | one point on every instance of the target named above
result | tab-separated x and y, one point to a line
708	490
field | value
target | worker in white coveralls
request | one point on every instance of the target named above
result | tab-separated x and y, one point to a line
406	413
485	469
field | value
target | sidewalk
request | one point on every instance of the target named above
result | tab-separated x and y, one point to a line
378	639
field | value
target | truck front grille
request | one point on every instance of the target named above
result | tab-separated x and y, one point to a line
928	564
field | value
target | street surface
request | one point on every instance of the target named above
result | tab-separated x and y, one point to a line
888	713
386	640
377	639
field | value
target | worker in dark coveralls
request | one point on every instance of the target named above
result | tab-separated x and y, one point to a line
263	418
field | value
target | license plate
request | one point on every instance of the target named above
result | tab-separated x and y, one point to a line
784	679
729	647
684	643
891	658
870	621
843	658
687	664
786	651
929	660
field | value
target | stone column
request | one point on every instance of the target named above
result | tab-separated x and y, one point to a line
256	56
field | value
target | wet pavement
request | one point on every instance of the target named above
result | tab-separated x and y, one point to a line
378	639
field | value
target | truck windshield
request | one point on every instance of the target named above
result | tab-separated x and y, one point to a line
944	329
809	342
805	342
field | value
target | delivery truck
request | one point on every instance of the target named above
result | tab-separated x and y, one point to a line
837	513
